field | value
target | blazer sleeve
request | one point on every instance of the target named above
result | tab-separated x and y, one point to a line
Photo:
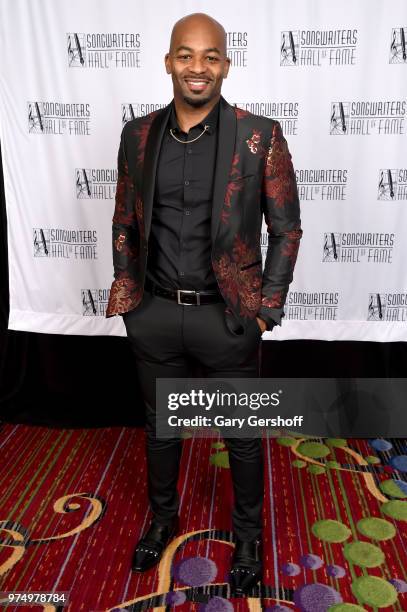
281	208
124	222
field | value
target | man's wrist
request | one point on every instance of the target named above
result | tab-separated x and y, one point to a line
272	316
269	323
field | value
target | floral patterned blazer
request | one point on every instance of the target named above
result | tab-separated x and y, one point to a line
254	176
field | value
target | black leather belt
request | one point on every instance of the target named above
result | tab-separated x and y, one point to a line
184	296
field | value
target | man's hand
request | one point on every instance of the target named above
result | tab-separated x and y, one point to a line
262	324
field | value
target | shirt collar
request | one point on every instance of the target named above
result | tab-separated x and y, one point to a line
211	119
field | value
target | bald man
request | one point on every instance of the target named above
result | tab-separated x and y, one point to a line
195	180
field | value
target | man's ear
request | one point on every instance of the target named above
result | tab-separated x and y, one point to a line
166	62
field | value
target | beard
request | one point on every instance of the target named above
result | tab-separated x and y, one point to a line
199	100
196	102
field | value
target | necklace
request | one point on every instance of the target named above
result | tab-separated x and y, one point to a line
206	127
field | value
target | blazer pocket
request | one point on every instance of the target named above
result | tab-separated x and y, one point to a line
250	265
241	178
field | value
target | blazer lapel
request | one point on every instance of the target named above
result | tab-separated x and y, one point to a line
226	147
151	155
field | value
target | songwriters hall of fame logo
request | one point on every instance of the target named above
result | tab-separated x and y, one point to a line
318	47
355	247
133	110
398	51
367	117
95	183
387	307
103	50
94	302
392	184
76	50
237	48
64	244
286	112
312	305
331	249
324	184
339	118
58	118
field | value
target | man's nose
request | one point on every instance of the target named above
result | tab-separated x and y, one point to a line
197	65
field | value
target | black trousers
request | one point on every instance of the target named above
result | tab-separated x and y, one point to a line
164	336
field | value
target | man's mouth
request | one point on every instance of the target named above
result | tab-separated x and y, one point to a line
197	84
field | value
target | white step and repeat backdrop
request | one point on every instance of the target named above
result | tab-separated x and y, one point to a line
72	73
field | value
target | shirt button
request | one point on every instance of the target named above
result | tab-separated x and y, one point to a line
187	212
189	150
182	273
186	182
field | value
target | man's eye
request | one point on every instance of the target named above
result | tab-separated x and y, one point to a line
210	57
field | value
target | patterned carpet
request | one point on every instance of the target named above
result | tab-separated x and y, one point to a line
73	504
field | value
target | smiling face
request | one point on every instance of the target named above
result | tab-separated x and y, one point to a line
197	59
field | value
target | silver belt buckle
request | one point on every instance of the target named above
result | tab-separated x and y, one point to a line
179	291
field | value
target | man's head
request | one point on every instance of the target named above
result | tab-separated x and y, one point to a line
197	59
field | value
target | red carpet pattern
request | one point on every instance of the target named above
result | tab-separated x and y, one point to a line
73	504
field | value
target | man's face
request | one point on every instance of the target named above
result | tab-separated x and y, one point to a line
197	64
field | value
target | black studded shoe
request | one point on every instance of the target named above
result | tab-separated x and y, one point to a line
151	546
247	566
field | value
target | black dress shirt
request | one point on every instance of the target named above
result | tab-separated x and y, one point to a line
180	238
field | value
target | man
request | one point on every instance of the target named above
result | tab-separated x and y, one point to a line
195	179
